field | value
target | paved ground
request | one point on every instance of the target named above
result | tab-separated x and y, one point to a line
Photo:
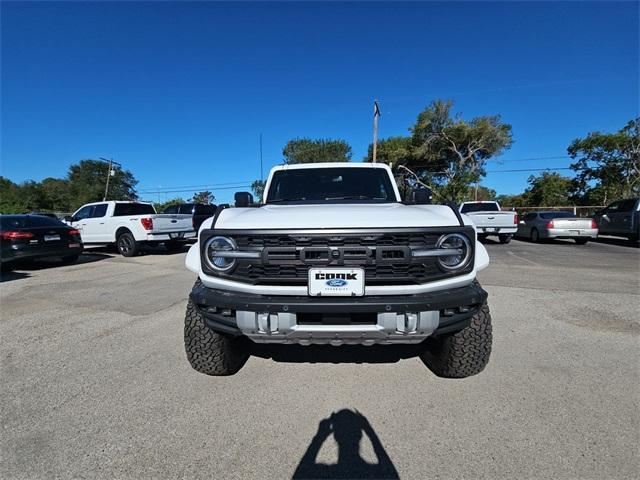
95	383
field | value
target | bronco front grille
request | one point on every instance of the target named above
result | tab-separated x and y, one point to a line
386	256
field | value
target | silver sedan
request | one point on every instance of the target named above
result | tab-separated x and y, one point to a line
547	225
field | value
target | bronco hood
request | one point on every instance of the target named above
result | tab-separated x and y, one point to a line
391	215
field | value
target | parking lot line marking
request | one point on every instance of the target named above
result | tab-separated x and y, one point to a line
524	259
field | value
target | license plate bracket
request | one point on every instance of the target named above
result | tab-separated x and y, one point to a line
51	238
176	235
336	282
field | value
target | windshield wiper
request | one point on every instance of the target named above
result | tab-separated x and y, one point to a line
279	200
352	197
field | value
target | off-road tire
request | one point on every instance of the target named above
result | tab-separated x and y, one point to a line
71	258
210	352
504	239
464	353
127	245
173	246
581	241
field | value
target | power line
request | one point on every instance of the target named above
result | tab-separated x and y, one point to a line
532	159
531	169
191	189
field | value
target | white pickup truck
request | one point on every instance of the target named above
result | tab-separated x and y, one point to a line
333	256
130	225
489	219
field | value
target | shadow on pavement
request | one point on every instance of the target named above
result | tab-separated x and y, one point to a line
331	354
9	276
619	241
347	428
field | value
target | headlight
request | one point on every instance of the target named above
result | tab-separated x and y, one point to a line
217	253
461	251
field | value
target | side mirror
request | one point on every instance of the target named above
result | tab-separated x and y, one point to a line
422	196
243	199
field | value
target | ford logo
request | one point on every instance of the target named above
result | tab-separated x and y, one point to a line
336	282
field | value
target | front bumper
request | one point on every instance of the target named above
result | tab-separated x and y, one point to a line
396	319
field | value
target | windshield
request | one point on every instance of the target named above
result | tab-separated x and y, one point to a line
480	207
331	185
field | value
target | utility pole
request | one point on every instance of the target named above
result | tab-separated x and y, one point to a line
109	174
376	114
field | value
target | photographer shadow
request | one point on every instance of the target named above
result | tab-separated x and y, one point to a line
347	428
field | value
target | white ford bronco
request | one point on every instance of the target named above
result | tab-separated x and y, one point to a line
333	256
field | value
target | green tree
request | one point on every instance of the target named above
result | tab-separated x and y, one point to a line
451	152
160	206
483	194
608	164
205	197
10	201
87	181
548	190
258	188
306	150
56	197
518	200
393	150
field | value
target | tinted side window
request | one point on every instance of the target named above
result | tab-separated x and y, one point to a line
186	209
84	212
99	210
171	209
627	205
205	210
613	207
8	222
529	217
124	209
37	221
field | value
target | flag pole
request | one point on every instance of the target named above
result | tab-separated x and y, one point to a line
376	114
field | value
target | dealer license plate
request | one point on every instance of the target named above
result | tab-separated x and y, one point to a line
176	235
51	238
336	282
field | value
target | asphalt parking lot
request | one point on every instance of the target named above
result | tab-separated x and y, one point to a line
95	383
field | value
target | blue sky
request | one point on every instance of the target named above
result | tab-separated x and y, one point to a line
180	92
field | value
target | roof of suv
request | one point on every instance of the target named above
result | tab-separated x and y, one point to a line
297	166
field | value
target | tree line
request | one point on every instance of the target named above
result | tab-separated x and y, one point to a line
449	153
84	183
443	150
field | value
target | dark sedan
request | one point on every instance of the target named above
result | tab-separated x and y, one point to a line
29	237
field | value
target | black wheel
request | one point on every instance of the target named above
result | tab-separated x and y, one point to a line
210	352
173	246
534	236
581	241
127	245
71	258
463	353
504	238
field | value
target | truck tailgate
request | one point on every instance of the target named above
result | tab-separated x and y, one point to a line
492	219
172	223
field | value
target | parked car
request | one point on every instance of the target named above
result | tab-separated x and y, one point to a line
30	237
130	225
489	219
50	215
537	226
334	257
621	218
198	211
